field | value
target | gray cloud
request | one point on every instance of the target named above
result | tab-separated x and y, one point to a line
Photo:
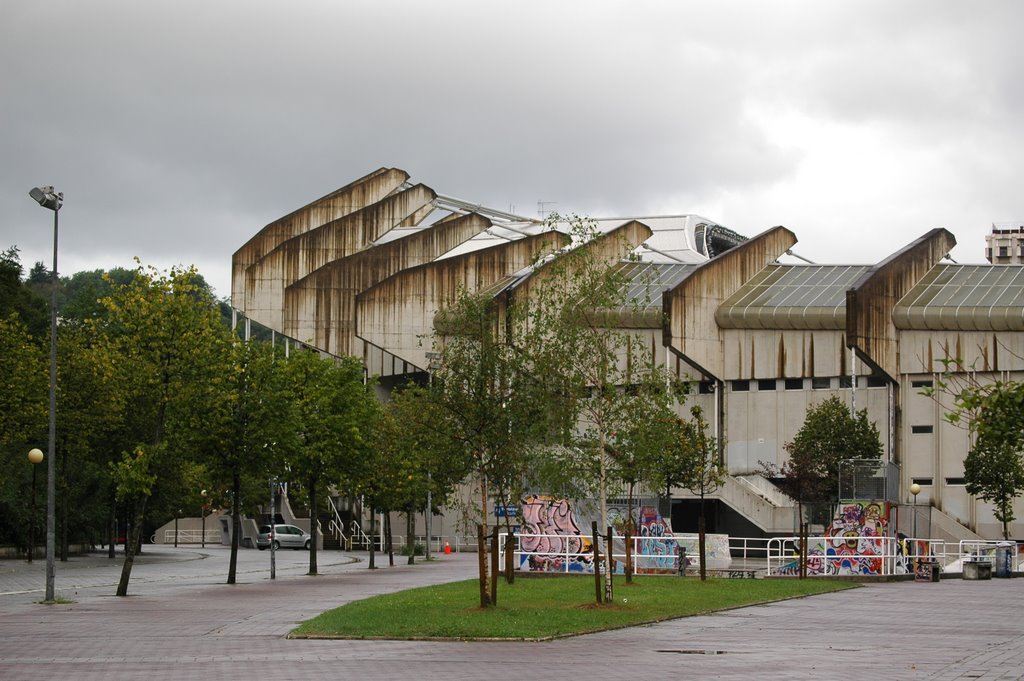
178	130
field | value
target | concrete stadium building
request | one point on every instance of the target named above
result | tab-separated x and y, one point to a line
364	270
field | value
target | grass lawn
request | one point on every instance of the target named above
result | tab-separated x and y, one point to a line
538	608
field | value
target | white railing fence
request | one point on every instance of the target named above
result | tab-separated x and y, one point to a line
192	536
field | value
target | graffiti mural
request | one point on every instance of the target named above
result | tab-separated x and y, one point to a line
854	543
551	540
656	547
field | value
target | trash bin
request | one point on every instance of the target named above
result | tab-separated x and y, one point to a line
927	570
977	569
1004	559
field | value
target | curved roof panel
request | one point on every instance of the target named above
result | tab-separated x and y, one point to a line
965	298
791	297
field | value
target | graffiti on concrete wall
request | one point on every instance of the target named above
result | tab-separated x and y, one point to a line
855	541
551	540
656	547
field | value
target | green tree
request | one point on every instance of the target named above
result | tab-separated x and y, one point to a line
487	405
705	473
23	420
601	371
252	424
165	335
331	429
829	435
637	451
994	472
992	412
18	298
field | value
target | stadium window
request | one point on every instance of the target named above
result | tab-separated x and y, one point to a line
821	383
924	482
918	430
876	382
706	387
740	386
846	381
766	384
921	384
794	384
955	481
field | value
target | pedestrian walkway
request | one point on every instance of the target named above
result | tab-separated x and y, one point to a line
183	622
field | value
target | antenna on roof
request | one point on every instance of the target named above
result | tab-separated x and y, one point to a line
542	210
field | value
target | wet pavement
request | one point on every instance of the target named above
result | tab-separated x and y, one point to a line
181	621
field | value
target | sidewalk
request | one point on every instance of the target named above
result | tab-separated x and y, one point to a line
182	622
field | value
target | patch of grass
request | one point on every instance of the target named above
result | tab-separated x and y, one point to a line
545	608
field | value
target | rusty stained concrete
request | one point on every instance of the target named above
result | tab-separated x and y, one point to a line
363	192
302	255
321	307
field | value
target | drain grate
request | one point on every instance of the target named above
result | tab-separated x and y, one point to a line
693	651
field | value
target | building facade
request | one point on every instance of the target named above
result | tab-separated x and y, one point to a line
365	269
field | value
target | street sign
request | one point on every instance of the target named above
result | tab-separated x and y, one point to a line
506	511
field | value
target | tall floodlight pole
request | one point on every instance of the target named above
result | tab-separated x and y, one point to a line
51	200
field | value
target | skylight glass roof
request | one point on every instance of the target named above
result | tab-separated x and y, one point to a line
965	298
791	297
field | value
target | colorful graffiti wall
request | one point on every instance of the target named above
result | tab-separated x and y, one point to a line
550	539
855	541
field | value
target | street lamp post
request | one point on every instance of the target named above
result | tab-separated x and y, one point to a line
51	200
202	514
915	489
35	456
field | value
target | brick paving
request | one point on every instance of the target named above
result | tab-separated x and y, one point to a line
183	622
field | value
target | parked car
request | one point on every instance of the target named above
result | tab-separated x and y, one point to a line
283	536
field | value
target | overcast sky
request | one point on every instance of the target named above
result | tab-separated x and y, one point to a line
177	130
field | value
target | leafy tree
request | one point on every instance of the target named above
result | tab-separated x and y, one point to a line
164	334
705	475
252	424
994	472
332	424
637	451
602	373
23	421
992	412
829	435
488	406
18	298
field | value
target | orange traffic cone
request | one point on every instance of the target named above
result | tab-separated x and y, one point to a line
447	549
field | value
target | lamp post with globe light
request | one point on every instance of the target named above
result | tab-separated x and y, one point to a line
35	456
51	200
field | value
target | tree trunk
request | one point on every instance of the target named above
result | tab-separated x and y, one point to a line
131	544
373	538
389	539
597	562
494	566
609	558
313	523
627	530
236	523
410	533
510	557
481	554
64	505
701	545
112	527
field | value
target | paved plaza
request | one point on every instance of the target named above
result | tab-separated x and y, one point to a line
182	622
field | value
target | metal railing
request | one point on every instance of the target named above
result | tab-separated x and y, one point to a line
859	555
193	536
